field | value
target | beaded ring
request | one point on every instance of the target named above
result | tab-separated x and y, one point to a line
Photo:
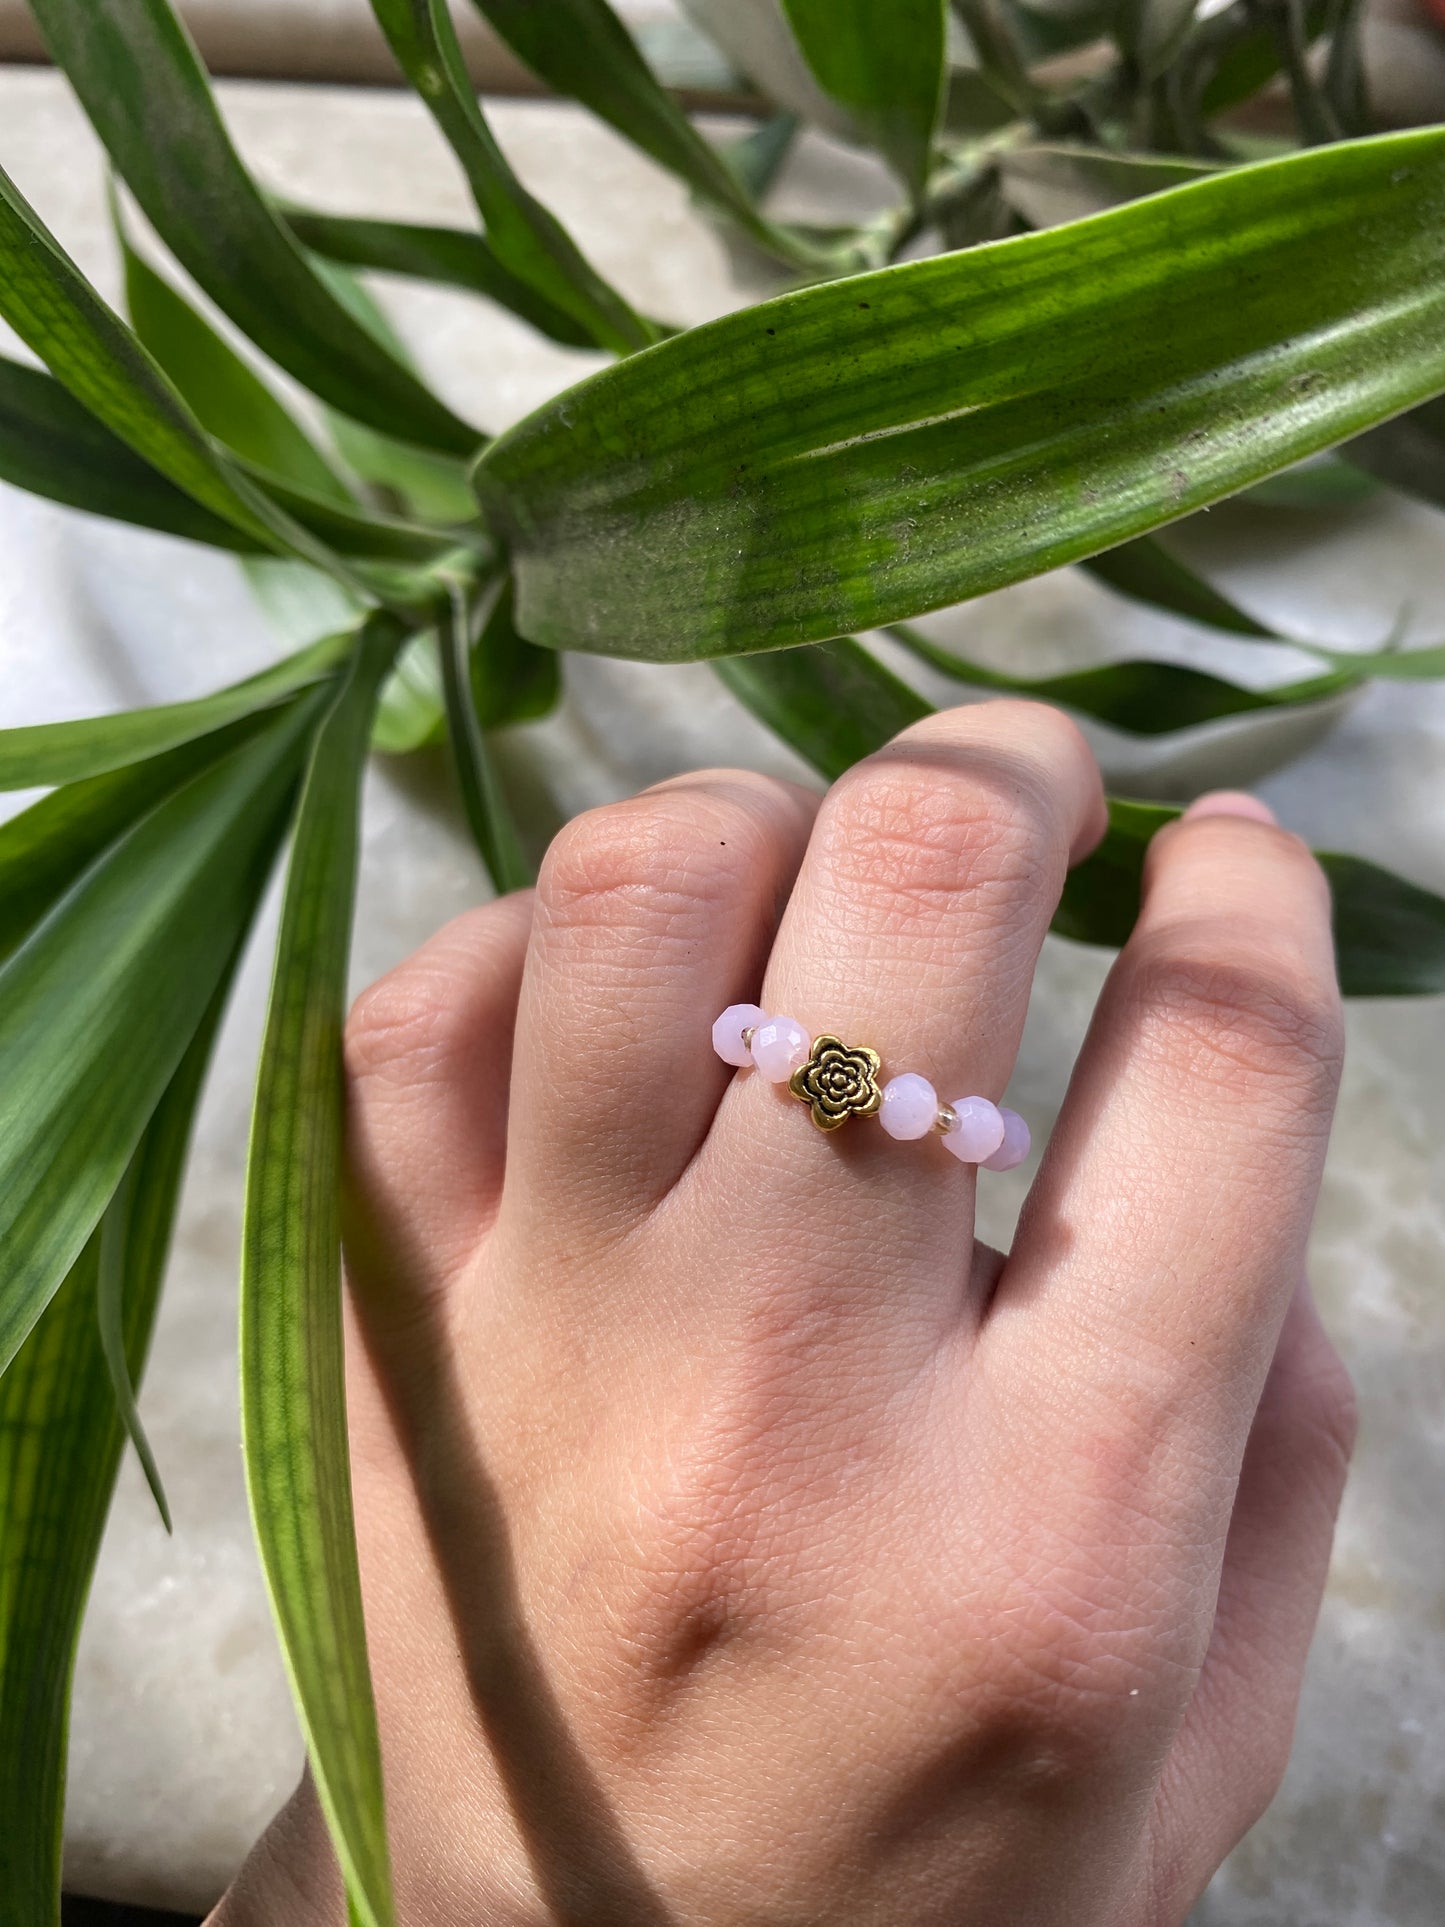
838	1081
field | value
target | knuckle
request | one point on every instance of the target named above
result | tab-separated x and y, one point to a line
396	1025
1259	1021
894	832
653	860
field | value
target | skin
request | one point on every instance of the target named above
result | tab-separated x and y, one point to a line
741	1542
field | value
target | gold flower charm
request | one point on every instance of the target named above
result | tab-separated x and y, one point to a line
838	1081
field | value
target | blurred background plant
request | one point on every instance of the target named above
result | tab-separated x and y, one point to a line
913	418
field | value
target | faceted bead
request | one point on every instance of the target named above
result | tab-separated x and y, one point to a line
1015	1146
979	1131
727	1033
910	1106
780	1045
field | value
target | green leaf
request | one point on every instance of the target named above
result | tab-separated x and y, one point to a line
411	713
417	482
452	257
56	312
145	93
831	702
226	395
757	156
99	1002
293	1401
46	753
581	49
352	533
1145	571
60	1446
858	452
232	402
52	446
887	72
1389	933
1142	698
525	237
45	848
488	814
513	681
110	1296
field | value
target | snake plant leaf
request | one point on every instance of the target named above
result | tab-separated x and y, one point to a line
52	446
224	392
855	453
1389	933
293	1402
580	49
415	483
1146	571
45	848
356	534
110	1296
231	401
99	1002
145	93
513	681
832	702
1141	698
60	1446
886	72
526	238
411	713
452	257
56	312
757	157
484	801
420	482
1425	664
52	753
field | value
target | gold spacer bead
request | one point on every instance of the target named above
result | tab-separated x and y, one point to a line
946	1121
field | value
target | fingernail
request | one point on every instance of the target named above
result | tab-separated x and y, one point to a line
1231	803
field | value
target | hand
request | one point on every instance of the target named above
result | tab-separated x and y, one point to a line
740	1541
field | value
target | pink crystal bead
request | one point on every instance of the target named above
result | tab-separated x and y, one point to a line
979	1131
910	1106
1015	1146
727	1033
780	1045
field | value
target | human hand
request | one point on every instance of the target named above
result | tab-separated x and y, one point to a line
740	1541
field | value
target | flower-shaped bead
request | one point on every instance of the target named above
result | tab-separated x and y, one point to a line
839	1081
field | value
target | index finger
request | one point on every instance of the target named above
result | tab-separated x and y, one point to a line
1140	1307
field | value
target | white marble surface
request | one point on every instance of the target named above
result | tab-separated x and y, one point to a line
183	1740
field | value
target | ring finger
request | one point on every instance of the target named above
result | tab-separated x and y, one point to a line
914	927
